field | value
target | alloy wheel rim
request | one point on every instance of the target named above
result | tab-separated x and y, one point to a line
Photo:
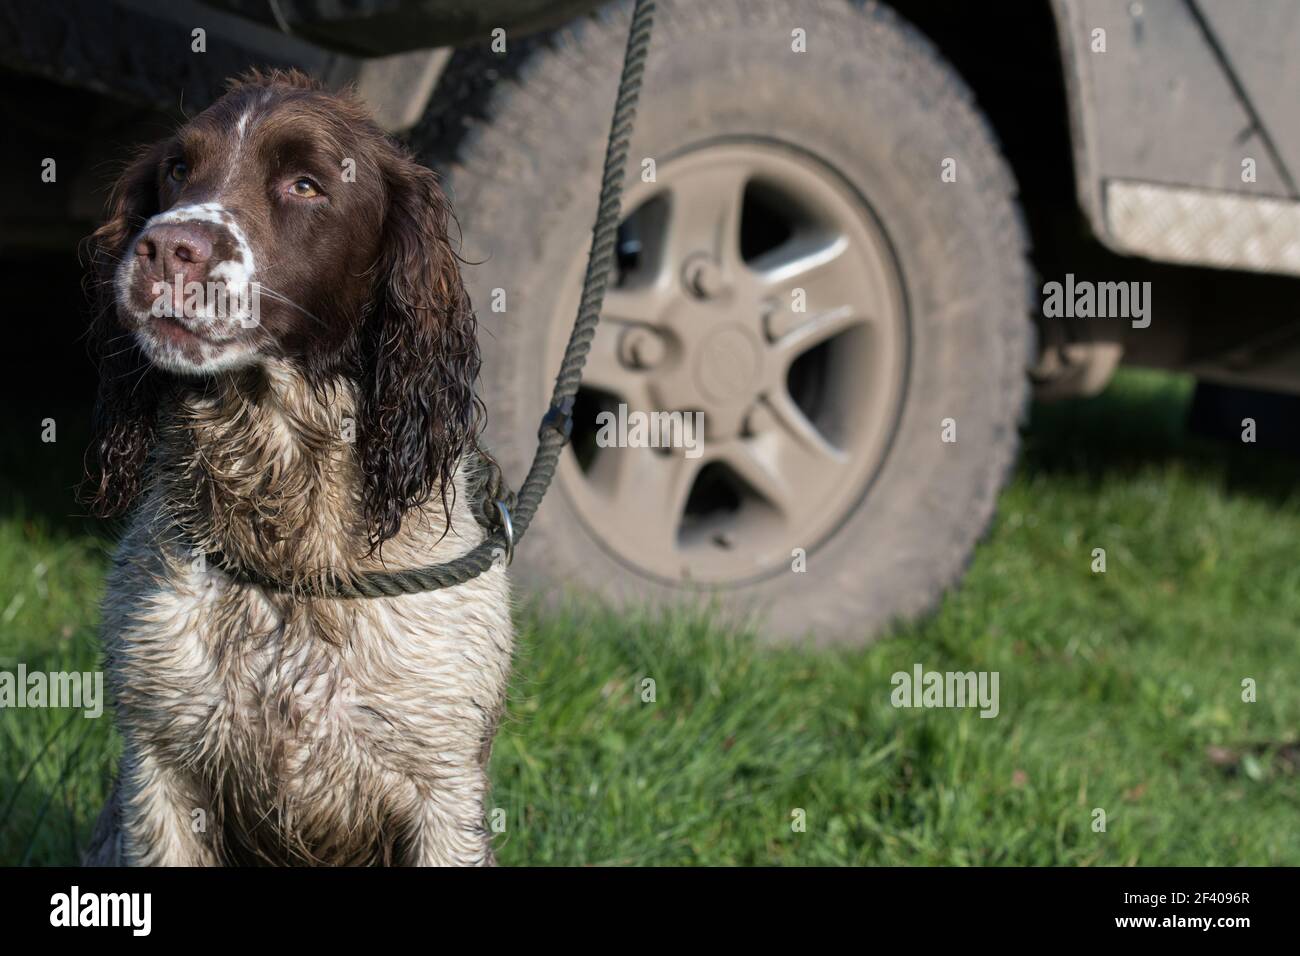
754	286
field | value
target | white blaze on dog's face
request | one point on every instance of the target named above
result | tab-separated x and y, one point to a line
255	245
190	286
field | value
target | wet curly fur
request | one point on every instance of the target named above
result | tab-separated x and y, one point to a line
259	726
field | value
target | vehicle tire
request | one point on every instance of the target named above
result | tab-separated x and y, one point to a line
826	502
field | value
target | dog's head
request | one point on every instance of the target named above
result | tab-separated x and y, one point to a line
281	225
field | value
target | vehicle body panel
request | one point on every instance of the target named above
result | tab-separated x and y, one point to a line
1196	98
385	27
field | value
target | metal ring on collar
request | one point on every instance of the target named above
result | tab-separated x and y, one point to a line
507	528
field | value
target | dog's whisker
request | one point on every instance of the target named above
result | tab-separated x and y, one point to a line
281	297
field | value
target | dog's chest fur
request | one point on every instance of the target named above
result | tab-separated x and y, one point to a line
304	731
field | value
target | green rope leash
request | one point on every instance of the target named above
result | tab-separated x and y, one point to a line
507	515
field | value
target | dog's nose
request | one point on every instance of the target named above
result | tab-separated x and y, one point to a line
170	250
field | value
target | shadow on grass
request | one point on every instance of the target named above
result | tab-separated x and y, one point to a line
1142	421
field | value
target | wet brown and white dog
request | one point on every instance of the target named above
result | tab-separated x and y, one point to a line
287	360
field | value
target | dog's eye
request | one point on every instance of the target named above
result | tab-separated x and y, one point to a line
304	188
178	171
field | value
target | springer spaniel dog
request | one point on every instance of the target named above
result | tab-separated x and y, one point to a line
287	366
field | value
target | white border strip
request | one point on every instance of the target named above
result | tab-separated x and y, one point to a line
1201	227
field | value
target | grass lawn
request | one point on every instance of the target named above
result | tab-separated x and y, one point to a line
1120	691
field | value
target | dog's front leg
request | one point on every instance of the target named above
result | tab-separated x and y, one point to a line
164	821
450	829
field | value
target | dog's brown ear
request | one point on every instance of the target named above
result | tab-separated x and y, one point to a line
420	358
126	406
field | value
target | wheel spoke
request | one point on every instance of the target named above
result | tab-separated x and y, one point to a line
801	431
814	330
828	279
704	216
787	461
646	493
605	370
641	304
